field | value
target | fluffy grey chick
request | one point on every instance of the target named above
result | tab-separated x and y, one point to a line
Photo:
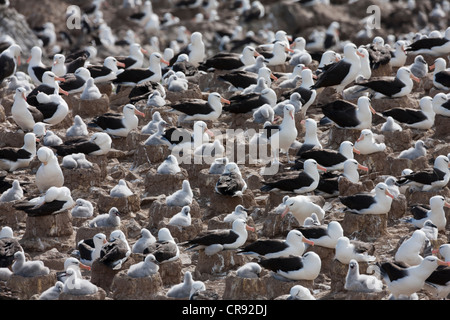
52	293
182	218
121	190
83	208
52	139
299	292
183	289
391	126
69	162
420	67
355	281
144	268
263	114
169	166
78	129
81	160
143	242
249	270
419	150
12	194
181	197
90	92
110	219
218	166
152	126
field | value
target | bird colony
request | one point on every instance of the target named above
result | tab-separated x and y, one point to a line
128	132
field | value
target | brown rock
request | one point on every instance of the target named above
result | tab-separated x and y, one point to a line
275	226
264	288
441	127
365	227
150	154
126	205
171	272
126	288
11	217
159	210
89	108
225	204
58	225
81	178
219	263
181	234
11	138
339	274
193	92
102	276
27	287
157	184
99	295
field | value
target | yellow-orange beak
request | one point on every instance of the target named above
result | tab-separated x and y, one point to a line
446	204
443	263
120	64
273	77
321	168
139	113
23	96
144	51
289	50
223	100
285	212
372	110
60	79
432	67
256	53
360	54
64	92
292	115
165	61
250	228
389	194
28	60
415	78
361	167
360	139
209	132
85	267
356	151
308	241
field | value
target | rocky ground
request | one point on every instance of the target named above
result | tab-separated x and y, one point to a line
137	164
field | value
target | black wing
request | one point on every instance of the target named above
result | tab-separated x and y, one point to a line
408	116
358	201
427	43
13	154
313	232
45	209
7	67
285	264
193	107
333	76
85	147
387	87
264	247
443	78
